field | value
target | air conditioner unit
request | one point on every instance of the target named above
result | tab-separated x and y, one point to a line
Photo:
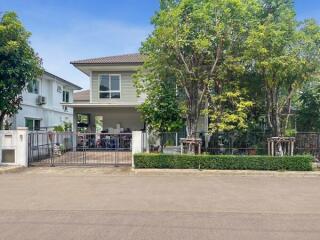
41	100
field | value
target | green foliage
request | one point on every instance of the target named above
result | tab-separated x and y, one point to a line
65	127
170	142
308	116
290	132
195	42
229	111
19	64
294	163
283	54
58	128
237	61
160	111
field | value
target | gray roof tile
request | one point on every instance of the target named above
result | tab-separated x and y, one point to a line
134	58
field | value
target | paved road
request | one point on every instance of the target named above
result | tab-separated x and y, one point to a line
55	206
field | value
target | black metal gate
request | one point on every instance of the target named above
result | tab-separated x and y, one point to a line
68	148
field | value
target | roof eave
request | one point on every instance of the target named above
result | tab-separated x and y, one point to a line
98	105
74	86
87	68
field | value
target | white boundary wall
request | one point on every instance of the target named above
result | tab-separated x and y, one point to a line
16	140
137	144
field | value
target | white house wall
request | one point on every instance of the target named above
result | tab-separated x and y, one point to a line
49	118
52	113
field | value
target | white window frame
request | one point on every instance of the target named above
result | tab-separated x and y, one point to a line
64	96
110	91
34	123
59	89
33	87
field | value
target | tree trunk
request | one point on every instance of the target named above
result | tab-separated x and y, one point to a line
277	117
193	113
274	115
161	143
195	98
2	115
288	114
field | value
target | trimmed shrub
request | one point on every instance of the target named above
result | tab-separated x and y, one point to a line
290	163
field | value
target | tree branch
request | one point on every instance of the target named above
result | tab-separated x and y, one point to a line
218	54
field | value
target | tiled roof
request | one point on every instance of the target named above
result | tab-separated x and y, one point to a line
134	58
81	96
76	87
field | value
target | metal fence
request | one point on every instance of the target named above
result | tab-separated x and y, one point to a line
68	148
249	143
308	143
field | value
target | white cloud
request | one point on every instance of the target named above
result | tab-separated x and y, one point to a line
85	39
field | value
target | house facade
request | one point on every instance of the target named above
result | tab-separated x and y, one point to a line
42	107
110	103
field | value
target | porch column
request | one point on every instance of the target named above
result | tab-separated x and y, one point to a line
92	122
292	148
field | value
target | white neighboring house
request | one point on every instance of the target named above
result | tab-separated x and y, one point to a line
42	107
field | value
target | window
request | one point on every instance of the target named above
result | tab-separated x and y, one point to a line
109	86
59	89
33	124
65	96
33	87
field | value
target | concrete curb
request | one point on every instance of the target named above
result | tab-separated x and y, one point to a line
11	169
92	171
195	172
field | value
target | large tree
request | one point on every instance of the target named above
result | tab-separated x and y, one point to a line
161	110
282	54
193	41
19	64
308	114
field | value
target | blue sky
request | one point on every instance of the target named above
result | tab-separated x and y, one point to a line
66	30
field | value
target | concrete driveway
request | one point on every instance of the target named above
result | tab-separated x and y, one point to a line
88	204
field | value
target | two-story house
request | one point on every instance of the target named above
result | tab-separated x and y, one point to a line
110	103
42	107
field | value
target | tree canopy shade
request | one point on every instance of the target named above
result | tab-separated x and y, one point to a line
161	111
308	116
283	54
195	42
19	64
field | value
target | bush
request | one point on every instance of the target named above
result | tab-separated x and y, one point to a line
290	163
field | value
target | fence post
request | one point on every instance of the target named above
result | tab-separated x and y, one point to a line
136	144
22	146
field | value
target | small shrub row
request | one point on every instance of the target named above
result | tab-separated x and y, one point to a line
290	163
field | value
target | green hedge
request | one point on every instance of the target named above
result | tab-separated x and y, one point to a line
291	163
